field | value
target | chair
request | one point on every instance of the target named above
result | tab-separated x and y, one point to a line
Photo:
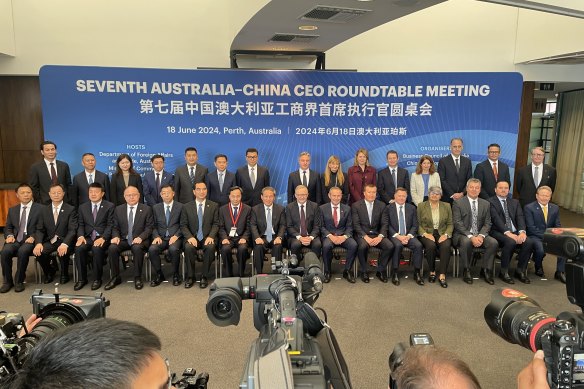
340	252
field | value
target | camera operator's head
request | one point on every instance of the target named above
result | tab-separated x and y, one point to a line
98	353
428	367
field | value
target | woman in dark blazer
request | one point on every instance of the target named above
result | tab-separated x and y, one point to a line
124	176
333	176
360	175
435	230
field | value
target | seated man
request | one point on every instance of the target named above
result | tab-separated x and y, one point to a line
402	223
510	231
539	215
96	218
21	223
268	226
303	224
471	216
337	230
131	231
234	230
166	234
55	232
199	224
369	231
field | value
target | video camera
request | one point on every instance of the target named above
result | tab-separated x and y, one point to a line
519	319
57	311
295	348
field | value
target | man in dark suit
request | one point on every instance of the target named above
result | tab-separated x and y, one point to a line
510	231
471	216
132	228
155	179
454	170
234	230
303	224
539	215
307	177
402	224
55	232
89	175
391	178
96	218
337	230
536	172
491	171
252	178
199	223
268	228
21	223
220	181
166	235
369	230
48	172
186	176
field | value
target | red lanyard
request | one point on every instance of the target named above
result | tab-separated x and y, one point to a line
240	206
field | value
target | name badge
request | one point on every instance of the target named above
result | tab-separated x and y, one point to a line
233	232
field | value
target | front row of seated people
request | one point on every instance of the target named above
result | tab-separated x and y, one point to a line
100	231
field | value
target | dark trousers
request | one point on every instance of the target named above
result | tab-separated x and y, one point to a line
508	246
386	248
45	258
173	252
241	255
327	253
191	256
296	247
414	245
20	250
444	250
539	253
259	253
99	257
138	252
466	251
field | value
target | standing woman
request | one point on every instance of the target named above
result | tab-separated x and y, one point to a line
424	178
333	176
360	175
124	176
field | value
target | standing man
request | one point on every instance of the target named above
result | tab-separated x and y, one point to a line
19	238
268	227
303	224
49	172
89	175
510	231
96	218
252	178
454	170
539	215
155	179
370	229
186	176
391	178
55	232
402	222
131	231
234	230
491	171
166	234
533	176
199	223
220	181
337	230
307	177
472	223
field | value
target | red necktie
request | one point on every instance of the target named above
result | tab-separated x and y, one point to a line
335	217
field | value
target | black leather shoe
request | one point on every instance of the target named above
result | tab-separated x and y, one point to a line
381	276
158	280
63	279
432	278
5	288
418	278
365	277
79	285
488	277
138	284
521	276
96	285
326	278
539	272
504	276
19	287
113	283
466	276
189	283
176	280
204	283
347	275
395	278
443	283
560	276
49	278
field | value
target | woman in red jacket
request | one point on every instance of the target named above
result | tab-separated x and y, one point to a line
360	174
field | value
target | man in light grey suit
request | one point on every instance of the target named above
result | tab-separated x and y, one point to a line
186	176
472	223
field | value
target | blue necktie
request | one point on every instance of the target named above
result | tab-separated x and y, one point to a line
167	214
269	227
200	216
235	213
402	221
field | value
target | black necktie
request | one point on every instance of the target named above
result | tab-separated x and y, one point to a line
54	179
21	225
304	179
157	185
303	231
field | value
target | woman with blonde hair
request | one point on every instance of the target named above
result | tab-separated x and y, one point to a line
333	176
360	175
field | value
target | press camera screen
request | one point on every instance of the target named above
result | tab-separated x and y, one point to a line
578	368
422	340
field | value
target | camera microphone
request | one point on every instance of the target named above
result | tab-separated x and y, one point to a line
313	273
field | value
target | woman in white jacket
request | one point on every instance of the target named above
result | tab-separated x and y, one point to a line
424	178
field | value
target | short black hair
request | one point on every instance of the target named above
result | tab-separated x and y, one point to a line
48	142
85	154
23	185
251	150
391	152
156	156
234	188
221	156
166	186
97	185
191	148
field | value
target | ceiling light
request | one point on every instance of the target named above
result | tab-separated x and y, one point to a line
308	28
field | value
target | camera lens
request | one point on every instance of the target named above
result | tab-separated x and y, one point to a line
224	307
517	318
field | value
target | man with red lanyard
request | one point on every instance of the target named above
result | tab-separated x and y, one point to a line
234	231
